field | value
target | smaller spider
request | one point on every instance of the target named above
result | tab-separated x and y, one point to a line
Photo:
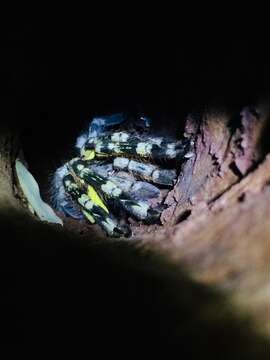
111	176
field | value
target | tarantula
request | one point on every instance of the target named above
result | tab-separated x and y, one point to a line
111	176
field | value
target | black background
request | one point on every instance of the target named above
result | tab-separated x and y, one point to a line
58	77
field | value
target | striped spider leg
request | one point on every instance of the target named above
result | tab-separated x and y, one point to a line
108	189
102	124
92	205
124	143
96	188
125	147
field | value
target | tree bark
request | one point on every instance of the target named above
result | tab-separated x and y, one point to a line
217	221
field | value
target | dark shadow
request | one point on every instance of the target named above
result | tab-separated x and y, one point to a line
58	288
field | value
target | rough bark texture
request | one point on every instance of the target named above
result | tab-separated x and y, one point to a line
9	148
217	222
222	157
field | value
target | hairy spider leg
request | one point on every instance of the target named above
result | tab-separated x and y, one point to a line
98	126
93	207
139	190
145	171
123	144
61	201
101	124
107	188
124	136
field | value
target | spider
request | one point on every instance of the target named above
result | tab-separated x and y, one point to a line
111	176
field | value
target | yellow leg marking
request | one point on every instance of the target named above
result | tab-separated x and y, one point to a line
89	154
93	195
89	217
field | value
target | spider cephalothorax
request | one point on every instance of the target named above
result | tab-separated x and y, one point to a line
117	172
